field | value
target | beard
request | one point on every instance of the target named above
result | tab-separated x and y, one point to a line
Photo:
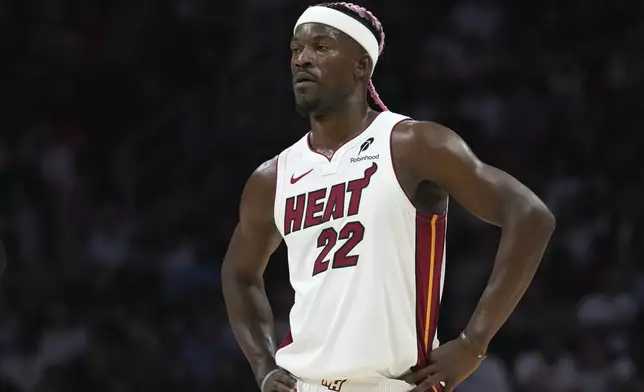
318	106
307	106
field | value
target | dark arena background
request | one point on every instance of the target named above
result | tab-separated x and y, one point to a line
128	129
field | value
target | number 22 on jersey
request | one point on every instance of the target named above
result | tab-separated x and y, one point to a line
318	207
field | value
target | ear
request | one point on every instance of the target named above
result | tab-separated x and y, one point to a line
363	67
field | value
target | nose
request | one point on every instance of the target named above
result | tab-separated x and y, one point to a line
305	58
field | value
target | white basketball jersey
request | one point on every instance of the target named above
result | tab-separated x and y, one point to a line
366	267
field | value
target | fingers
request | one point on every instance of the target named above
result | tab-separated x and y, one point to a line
422	374
442	387
433	383
430	384
280	387
281	381
434	380
288	380
408	378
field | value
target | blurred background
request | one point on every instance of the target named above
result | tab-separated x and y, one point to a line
128	128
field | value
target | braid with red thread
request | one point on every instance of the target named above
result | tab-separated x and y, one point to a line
376	27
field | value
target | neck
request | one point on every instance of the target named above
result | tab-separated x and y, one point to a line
332	130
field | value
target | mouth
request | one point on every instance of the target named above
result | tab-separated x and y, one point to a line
303	78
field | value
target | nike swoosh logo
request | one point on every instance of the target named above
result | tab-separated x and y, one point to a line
296	179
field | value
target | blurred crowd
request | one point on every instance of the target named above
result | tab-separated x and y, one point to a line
128	128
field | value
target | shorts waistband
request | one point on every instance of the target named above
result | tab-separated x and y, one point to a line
353	385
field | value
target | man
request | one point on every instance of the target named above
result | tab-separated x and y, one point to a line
361	202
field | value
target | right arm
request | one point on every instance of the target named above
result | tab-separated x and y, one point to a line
254	240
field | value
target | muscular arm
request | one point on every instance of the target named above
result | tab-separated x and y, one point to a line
254	240
436	153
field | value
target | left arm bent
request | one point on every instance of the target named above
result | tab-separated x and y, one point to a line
496	197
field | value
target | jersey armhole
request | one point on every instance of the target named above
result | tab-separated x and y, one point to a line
277	201
400	191
406	198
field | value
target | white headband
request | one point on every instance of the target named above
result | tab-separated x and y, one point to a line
348	25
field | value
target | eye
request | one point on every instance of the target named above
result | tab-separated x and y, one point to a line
295	49
322	48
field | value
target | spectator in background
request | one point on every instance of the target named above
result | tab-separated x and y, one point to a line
3	258
612	306
24	363
549	367
110	236
492	375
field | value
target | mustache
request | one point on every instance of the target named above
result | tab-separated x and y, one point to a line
303	76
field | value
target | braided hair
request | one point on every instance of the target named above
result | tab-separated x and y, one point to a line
370	21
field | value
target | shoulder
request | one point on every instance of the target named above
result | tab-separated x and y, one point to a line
266	173
259	193
431	151
424	134
428	148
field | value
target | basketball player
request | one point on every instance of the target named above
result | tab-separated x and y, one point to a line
361	202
